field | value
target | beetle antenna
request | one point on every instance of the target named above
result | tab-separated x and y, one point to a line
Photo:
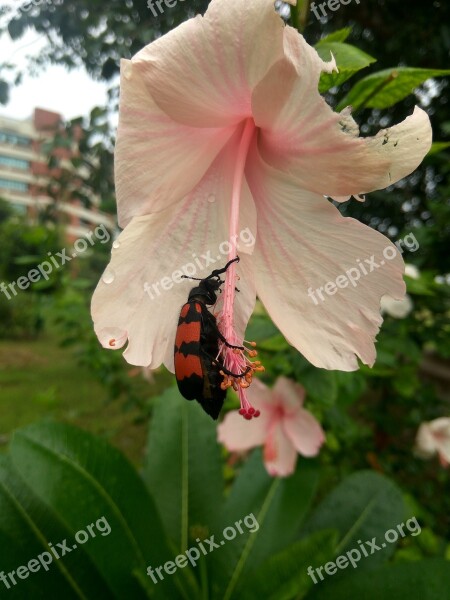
218	272
215	273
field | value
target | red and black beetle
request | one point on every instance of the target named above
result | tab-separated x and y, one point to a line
197	366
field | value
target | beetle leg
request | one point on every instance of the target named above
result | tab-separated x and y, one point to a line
222	368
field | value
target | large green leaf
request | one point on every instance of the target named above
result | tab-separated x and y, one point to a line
26	527
183	468
284	575
422	580
279	507
385	88
349	60
364	506
81	479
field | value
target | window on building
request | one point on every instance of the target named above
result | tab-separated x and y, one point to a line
7	137
15	163
15	186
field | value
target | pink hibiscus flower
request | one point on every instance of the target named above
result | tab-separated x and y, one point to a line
284	427
222	130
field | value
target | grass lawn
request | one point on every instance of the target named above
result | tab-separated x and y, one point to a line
39	380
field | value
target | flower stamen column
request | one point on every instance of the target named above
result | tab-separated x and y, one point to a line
236	360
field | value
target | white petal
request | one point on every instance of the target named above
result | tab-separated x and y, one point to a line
157	161
304	244
153	252
204	71
302	136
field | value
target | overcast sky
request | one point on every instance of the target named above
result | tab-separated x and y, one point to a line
71	93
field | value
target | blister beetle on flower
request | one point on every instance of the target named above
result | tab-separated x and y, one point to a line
199	369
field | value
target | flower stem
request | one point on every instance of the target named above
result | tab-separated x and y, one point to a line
299	14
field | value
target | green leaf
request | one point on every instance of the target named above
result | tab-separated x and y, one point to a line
82	479
438	147
4	92
183	468
276	343
279	506
320	385
337	36
349	60
16	28
365	505
351	386
284	575
260	328
27	260
424	286
26	527
420	580
385	88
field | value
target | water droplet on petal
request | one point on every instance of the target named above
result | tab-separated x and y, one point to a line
116	244
211	198
108	276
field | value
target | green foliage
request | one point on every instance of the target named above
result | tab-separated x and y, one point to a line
438	147
72	480
4	92
49	465
349	60
177	475
280	576
427	580
340	35
362	507
72	318
89	177
385	88
6	211
24	247
21	316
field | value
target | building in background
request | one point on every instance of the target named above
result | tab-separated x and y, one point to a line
25	174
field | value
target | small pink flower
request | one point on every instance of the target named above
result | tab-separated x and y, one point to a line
434	437
284	427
